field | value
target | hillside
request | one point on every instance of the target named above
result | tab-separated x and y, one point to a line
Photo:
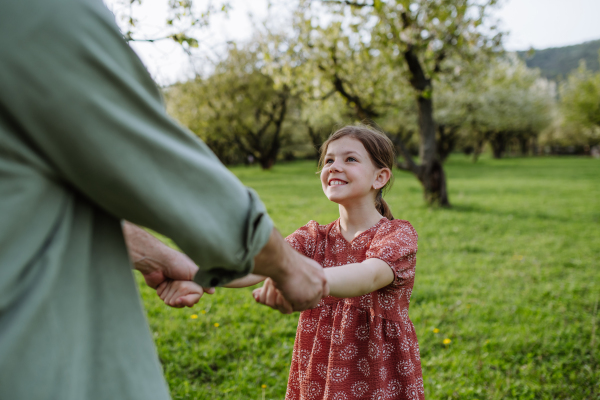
556	63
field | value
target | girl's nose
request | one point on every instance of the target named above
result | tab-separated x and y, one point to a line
335	167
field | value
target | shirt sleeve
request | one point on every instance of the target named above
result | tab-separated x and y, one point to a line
304	240
79	96
396	243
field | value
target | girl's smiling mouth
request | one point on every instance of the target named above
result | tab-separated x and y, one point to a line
335	182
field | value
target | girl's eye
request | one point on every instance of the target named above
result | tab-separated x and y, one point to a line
328	161
351	159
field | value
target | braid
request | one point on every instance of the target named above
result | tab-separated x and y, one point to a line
382	206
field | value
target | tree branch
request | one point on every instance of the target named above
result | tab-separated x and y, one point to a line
347	2
409	163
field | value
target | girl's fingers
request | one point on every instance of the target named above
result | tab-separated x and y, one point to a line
170	294
188	300
210	290
160	289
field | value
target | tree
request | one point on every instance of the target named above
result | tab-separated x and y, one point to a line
237	110
580	106
511	106
414	40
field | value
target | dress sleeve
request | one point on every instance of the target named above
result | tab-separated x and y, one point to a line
396	243
304	240
82	99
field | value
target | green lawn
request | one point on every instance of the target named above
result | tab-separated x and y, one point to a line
510	274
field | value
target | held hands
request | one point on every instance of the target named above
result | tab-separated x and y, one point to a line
297	283
299	279
270	296
165	269
180	294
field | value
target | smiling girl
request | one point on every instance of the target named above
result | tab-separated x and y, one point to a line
358	343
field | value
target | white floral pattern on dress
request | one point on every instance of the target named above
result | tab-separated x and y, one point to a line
387	351
378	394
364	366
405	367
412	392
349	352
383	373
360	388
393	389
362	332
338	374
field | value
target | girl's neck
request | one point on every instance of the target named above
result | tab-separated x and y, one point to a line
356	219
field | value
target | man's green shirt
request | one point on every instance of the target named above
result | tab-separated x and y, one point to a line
84	143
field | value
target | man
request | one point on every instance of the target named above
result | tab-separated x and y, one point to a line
84	144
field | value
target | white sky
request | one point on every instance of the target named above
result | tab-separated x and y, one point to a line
530	23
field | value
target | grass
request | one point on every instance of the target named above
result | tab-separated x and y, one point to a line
510	275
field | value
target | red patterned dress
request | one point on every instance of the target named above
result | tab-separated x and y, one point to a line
363	347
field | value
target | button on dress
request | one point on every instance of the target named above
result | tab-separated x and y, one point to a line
363	347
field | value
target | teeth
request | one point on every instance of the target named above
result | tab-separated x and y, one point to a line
335	183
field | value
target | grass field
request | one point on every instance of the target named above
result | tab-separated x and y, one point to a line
510	274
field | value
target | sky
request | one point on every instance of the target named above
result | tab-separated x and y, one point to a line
535	24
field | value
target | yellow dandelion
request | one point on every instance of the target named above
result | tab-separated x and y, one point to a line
216	324
447	341
193	316
203	311
263	386
436	330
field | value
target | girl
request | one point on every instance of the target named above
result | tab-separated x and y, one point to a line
359	342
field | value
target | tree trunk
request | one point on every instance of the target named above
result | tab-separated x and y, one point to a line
498	142
431	174
316	140
446	141
524	145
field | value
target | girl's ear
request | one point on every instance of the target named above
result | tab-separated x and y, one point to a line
382	177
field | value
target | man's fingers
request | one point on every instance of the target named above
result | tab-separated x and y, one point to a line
283	305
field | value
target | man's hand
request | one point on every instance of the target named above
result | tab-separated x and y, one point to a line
180	294
156	261
299	279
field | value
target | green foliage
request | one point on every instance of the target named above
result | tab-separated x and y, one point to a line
556	63
506	102
580	104
237	110
510	274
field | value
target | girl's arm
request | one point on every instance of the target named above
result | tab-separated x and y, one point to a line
248	280
356	279
348	280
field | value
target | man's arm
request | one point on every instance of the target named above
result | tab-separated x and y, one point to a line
97	119
155	260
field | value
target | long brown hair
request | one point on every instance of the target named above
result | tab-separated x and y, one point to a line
380	149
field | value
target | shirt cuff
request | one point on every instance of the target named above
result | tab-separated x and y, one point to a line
258	229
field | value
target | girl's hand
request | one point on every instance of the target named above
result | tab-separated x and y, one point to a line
270	296
180	294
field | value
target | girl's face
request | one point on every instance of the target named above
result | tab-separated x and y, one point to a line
349	175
